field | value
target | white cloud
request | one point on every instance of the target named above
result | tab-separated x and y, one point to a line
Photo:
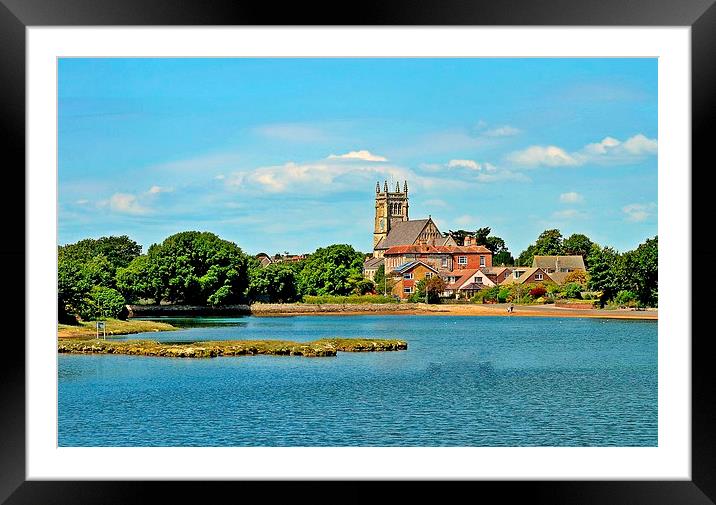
220	177
502	131
358	155
154	190
640	145
82	202
473	165
638	212
571	197
607	151
551	156
126	203
435	202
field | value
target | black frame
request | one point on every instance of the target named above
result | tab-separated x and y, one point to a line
16	15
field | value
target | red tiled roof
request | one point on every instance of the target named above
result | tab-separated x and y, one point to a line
437	249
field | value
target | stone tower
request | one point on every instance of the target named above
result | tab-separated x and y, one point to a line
390	207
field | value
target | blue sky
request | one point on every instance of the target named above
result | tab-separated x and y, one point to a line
283	154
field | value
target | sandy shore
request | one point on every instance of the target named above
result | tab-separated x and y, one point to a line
463	310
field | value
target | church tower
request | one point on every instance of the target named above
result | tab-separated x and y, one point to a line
390	207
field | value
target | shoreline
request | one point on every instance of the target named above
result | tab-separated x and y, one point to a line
389	309
478	310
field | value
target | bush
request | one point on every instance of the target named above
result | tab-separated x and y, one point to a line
102	303
325	299
503	295
487	295
625	298
572	290
538	292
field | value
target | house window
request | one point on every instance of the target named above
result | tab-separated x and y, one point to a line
445	262
482	261
408	276
538	277
462	260
407	290
517	273
428	275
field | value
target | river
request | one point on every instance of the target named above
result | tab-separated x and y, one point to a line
464	381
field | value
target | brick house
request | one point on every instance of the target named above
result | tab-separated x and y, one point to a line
441	258
408	275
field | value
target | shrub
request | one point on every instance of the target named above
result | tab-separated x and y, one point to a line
503	295
625	298
325	299
572	290
487	295
579	276
538	291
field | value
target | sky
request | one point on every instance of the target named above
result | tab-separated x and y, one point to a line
283	155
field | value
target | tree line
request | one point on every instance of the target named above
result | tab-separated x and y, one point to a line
98	277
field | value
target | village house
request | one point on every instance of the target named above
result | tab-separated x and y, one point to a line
442	258
528	275
465	283
371	266
408	275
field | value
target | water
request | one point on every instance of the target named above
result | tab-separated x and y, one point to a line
464	381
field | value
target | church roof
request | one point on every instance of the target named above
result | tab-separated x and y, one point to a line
402	233
372	263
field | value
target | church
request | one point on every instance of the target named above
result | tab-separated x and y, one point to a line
393	227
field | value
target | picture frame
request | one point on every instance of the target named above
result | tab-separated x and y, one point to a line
17	15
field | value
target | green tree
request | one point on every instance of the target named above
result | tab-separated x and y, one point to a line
643	267
276	283
197	268
328	270
119	251
481	235
503	258
549	243
134	281
102	302
578	244
526	256
605	271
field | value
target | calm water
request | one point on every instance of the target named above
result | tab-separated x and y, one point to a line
464	381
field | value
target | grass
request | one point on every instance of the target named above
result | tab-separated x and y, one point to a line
87	330
211	349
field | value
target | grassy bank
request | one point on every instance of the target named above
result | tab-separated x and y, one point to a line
317	348
87	330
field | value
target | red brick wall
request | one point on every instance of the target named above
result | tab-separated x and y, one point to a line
473	260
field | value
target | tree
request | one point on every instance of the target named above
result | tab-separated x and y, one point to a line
134	283
481	235
197	268
119	251
605	270
379	277
643	266
275	283
503	258
496	245
526	256
433	286
328	270
102	302
579	276
578	244
549	243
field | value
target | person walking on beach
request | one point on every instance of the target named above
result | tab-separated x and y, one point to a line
510	308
